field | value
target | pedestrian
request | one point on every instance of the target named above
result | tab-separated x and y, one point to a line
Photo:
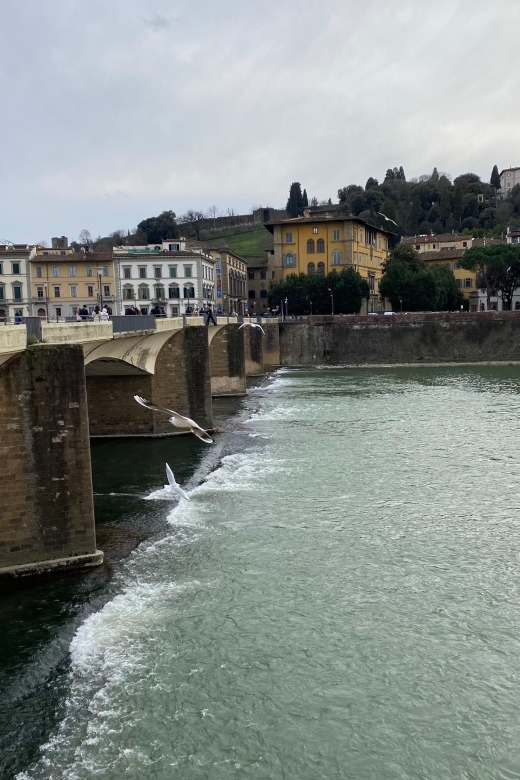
83	312
155	311
163	312
129	311
18	318
210	316
188	311
105	315
97	314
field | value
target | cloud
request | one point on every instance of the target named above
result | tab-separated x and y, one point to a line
246	98
157	23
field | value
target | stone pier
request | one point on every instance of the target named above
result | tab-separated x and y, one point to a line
46	500
227	360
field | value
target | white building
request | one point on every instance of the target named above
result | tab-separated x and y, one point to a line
15	280
168	275
508	178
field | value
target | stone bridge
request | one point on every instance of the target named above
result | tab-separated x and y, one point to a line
80	381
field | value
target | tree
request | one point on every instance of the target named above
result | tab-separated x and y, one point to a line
407	282
449	295
85	238
192	221
348	288
495	178
305	199
295	200
345	192
160	228
371	182
489	263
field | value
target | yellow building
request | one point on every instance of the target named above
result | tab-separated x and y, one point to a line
466	280
435	242
322	241
63	283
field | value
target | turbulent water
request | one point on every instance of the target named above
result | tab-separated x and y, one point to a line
339	599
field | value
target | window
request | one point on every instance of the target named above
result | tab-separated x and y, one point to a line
142	272
17	292
173	291
459	282
320	245
1	268
189	291
16	268
468	282
157	272
314	230
288	238
73	290
144	292
335	235
263	293
41	312
63	253
447	265
289	260
106	290
187	271
174	247
128	293
58	311
45	253
417	246
321	268
127	273
159	292
2	292
456	264
39	292
311	268
72	270
310	246
336	257
263	274
173	271
55	270
88	270
371	282
90	290
250	274
56	292
39	272
361	236
252	294
464	243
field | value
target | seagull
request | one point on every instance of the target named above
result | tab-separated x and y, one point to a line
252	325
177	419
387	218
174	487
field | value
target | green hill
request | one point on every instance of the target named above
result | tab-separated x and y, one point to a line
251	243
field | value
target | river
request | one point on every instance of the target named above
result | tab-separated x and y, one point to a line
339	599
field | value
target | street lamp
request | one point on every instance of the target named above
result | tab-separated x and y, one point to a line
286	309
311	307
100	269
331	300
401	302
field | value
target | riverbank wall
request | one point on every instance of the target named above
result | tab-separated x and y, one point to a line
413	338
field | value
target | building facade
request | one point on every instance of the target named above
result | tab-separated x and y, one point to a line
509	178
257	285
436	243
63	281
15	280
322	241
170	276
231	281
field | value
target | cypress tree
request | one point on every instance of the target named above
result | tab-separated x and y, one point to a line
495	178
295	200
305	199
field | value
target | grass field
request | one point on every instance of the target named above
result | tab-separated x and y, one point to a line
251	244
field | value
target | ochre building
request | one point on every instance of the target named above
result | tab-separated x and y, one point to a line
322	241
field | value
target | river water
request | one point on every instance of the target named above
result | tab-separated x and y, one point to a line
339	599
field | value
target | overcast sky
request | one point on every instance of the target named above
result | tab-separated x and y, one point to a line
114	110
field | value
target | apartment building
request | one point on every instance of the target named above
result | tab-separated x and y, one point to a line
170	275
509	177
257	285
63	281
15	285
437	242
231	281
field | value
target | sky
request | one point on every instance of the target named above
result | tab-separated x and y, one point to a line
115	110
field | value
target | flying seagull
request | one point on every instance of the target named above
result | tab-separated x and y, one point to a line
174	487
177	419
252	325
387	218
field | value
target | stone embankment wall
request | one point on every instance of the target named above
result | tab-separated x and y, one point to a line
415	338
46	502
227	361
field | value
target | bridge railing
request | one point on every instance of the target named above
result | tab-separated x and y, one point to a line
126	324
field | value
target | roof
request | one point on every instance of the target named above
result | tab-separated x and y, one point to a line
92	258
257	261
443	254
435	239
508	169
226	250
157	256
489	241
333	218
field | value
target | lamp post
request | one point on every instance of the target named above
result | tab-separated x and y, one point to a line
401	303
46	302
311	307
286	309
331	300
100	269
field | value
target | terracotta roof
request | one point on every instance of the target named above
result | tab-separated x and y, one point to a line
489	241
333	218
435	239
443	254
256	261
92	258
157	256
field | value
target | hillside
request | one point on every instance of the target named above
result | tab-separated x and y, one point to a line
251	243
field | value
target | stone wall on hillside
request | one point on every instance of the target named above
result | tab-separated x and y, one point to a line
416	338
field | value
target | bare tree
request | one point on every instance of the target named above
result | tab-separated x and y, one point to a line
213	212
85	237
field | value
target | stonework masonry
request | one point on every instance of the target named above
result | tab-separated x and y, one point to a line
253	351
416	338
46	500
227	361
181	382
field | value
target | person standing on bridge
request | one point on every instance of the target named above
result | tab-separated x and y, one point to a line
210	315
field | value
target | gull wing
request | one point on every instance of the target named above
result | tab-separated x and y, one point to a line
153	407
174	486
200	433
256	325
243	325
